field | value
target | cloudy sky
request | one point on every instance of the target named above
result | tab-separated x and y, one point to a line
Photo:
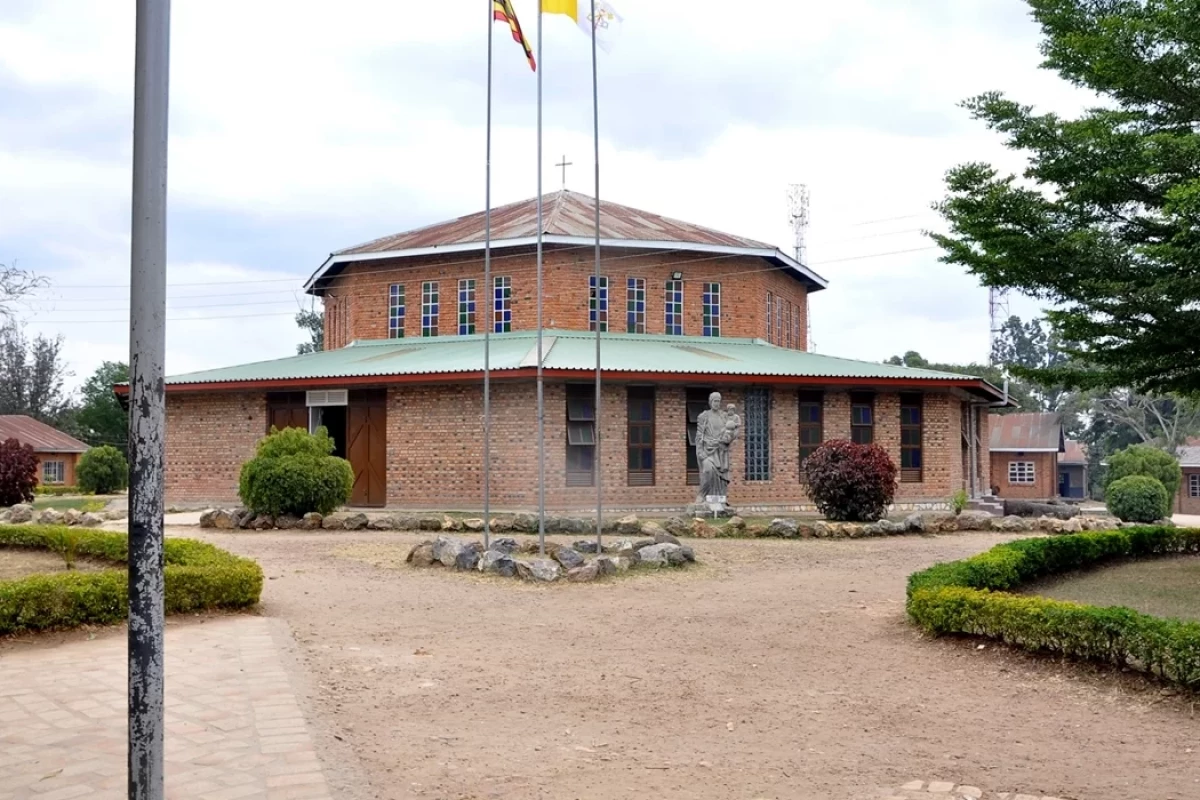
298	128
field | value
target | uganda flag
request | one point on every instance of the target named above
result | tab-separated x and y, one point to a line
502	11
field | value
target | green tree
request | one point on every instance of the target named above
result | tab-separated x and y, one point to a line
102	470
312	323
100	419
1018	391
1143	459
1105	223
32	376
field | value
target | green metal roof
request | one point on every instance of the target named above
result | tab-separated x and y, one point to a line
563	350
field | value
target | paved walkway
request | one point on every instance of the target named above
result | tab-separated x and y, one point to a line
234	727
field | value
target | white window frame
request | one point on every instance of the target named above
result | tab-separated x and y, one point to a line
1193	484
60	468
1022	473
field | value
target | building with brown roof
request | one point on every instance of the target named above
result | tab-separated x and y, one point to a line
57	452
1187	501
1025	450
681	311
1073	473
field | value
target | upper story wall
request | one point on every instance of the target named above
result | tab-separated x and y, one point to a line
374	300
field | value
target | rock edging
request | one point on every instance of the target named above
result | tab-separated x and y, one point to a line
24	513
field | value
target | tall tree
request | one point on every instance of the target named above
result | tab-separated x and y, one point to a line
1018	391
312	323
32	375
1105	223
100	420
1033	347
15	284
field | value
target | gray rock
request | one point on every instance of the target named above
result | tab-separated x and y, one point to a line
72	516
385	523
606	566
120	513
504	545
468	558
570	525
662	555
332	523
262	522
886	526
585	573
640	543
585	546
539	569
244	517
676	526
446	550
407	522
356	522
525	523
974	521
501	524
4	516
50	516
783	528
689	555
1012	524
615	547
310	521
429	523
223	520
702	529
450	523
206	518
421	555
914	523
665	538
629	525
474	524
736	523
497	562
569	558
91	520
651	529
625	563
287	522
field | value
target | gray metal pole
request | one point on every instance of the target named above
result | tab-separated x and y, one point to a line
599	463
147	403
541	401
491	305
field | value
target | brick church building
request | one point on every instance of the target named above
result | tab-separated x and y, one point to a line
682	310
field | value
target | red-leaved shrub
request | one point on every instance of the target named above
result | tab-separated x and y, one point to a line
851	482
18	473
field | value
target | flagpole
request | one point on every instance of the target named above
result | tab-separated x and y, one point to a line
487	287
599	468
541	403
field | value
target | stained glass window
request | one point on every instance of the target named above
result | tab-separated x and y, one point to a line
598	303
712	309
502	305
429	308
396	311
635	306
758	434
674	308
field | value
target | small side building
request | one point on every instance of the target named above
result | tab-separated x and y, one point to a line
57	452
1025	451
1073	477
1188	499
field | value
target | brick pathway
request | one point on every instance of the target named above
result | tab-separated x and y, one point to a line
234	728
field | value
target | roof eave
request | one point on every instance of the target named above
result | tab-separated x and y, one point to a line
814	281
1023	449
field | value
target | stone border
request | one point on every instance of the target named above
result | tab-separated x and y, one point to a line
677	527
25	512
579	563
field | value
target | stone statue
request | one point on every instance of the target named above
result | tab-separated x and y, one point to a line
715	431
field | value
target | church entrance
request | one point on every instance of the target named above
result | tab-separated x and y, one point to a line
366	446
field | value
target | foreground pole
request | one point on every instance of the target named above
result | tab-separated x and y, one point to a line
598	463
491	304
147	408
541	382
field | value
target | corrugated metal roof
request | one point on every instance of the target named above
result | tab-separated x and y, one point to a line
1027	432
1189	456
563	350
1076	453
564	213
38	435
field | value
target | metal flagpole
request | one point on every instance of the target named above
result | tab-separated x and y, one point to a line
147	403
541	401
487	287
599	464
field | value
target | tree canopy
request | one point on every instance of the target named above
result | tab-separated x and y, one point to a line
1105	222
100	420
312	323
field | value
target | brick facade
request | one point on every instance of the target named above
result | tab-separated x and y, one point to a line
68	460
1185	501
357	300
434	446
1045	474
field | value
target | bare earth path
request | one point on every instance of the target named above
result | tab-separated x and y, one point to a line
782	670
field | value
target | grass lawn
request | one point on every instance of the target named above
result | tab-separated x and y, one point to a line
1164	587
63	503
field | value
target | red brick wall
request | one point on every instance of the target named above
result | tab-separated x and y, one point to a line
1045	473
1184	502
435	447
357	302
69	460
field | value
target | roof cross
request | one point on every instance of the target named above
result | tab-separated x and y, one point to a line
564	164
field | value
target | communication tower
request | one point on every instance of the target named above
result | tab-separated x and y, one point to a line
798	218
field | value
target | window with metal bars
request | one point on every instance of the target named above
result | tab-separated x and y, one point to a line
673	301
502	304
1194	484
812	425
1021	472
912	454
598	303
466	306
581	434
758	434
635	305
770	318
54	472
712	309
429	308
862	418
396	311
641	435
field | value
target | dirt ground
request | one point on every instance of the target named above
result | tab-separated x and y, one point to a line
777	670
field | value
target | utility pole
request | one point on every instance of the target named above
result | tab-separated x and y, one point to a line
147	402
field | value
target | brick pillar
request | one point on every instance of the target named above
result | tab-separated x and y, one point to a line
837	415
887	425
671	445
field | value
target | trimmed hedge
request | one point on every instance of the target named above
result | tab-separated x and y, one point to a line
198	576
969	596
1138	498
54	490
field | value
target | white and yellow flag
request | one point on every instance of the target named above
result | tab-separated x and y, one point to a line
606	26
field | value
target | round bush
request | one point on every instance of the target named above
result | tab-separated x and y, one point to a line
1138	498
18	473
102	470
851	482
293	472
1142	459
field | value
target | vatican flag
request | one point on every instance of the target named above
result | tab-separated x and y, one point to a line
607	23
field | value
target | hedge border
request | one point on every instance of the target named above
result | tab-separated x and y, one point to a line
198	577
971	597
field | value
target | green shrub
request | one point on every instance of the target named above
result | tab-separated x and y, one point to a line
850	482
958	501
102	470
1138	498
1142	459
18	472
56	491
198	577
970	597
293	472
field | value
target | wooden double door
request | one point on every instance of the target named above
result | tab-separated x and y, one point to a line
359	432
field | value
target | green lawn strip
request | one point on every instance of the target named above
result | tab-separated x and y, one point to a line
63	503
972	597
198	576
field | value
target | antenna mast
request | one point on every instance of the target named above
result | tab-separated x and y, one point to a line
998	314
798	218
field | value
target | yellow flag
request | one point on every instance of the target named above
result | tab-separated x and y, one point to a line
605	27
568	7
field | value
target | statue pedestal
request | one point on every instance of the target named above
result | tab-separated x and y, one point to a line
713	505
